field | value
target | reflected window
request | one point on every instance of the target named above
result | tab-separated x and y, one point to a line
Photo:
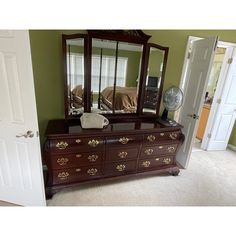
75	69
107	75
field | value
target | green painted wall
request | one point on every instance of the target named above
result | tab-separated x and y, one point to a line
48	70
46	50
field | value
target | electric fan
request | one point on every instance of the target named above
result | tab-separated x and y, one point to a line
172	100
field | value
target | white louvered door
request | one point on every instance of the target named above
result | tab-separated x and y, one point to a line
21	175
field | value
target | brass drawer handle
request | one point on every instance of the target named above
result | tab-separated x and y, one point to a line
78	140
167	160
62	161
124	140
123	154
157	159
78	170
120	167
173	136
171	149
92	158
146	164
162	134
93	143
92	171
148	151
78	155
62	145
63	175
160	147
151	138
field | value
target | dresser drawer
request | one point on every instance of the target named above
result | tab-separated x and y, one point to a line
118	154
154	163
151	151
76	144
155	138
76	174
124	140
120	168
75	160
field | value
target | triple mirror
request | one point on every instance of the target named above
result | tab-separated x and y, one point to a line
110	75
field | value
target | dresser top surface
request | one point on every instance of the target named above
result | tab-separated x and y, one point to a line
72	127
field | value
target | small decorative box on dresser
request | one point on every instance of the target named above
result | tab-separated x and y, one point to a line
75	155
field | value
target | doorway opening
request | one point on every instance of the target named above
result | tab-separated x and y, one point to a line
219	72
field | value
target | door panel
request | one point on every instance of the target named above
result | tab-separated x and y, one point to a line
196	82
21	178
223	113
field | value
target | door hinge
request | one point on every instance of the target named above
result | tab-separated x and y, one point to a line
37	133
209	136
230	60
189	54
219	101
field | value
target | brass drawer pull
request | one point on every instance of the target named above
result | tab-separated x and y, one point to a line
78	155
124	140
173	136
78	141
167	160
146	164
78	170
151	138
157	159
162	134
63	175
62	161
160	147
123	154
92	171
148	151
93	143
120	167
62	145
171	149
92	158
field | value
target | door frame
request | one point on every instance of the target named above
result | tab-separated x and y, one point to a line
221	44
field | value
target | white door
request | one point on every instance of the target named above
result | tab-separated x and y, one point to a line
21	175
198	71
223	112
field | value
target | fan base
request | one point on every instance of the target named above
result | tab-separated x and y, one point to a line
167	122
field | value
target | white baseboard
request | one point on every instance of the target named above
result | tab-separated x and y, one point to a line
232	147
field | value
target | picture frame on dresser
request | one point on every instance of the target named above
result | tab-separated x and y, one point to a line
134	143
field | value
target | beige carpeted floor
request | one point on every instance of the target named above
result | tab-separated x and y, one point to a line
210	180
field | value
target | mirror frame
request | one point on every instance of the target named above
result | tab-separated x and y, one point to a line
130	36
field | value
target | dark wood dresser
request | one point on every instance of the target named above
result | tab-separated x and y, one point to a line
75	155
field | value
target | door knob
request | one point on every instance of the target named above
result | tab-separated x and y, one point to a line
28	134
194	116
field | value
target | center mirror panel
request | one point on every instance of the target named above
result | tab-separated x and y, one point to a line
115	76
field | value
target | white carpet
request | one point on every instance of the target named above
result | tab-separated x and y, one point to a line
210	180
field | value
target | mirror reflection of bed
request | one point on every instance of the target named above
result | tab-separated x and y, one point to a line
115	76
125	99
